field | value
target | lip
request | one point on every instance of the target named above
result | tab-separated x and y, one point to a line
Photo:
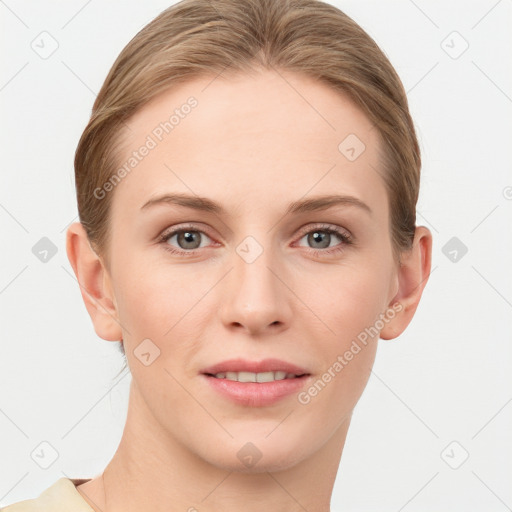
256	394
243	365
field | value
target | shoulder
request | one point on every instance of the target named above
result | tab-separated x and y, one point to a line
59	497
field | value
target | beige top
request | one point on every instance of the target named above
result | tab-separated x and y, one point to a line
62	496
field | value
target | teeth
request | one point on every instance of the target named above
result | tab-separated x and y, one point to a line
267	376
255	377
246	377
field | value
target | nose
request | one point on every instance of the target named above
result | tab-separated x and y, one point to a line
256	297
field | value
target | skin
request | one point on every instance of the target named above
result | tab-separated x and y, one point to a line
254	145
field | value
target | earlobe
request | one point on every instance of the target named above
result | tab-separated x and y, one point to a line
94	282
413	275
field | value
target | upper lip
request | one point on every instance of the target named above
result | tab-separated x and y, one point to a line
243	365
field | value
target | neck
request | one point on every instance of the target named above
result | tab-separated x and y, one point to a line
152	470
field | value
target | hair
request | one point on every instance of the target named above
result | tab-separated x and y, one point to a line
198	38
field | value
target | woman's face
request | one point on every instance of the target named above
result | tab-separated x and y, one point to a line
258	278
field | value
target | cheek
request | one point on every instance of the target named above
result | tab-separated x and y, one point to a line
347	349
143	306
148	300
165	303
333	394
347	298
347	303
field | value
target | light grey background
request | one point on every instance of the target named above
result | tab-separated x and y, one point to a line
440	392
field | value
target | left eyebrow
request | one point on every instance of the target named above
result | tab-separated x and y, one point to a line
321	203
313	204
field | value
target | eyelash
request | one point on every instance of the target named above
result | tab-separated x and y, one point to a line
345	238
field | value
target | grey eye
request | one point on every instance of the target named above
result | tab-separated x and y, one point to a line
321	238
188	239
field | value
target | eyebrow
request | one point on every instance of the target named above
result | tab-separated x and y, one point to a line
313	204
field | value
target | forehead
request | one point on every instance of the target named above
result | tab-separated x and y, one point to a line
256	136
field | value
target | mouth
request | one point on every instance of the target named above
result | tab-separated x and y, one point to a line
256	384
256	377
267	370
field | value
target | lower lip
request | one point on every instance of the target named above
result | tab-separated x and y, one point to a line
257	394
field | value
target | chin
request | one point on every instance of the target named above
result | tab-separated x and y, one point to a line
258	454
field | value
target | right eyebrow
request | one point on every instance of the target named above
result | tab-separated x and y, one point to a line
195	202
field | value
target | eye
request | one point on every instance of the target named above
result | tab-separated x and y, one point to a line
187	238
321	238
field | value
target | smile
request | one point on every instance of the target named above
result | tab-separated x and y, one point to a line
255	377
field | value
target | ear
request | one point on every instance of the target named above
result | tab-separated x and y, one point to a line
413	275
95	283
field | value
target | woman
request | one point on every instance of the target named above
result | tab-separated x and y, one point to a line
246	186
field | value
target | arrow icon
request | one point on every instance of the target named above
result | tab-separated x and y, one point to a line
249	249
454	249
249	455
44	455
454	45
351	147
147	352
44	250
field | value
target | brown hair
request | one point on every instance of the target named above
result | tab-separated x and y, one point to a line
195	38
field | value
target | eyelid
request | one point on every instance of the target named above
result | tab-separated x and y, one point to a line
177	228
302	231
346	240
328	227
345	236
